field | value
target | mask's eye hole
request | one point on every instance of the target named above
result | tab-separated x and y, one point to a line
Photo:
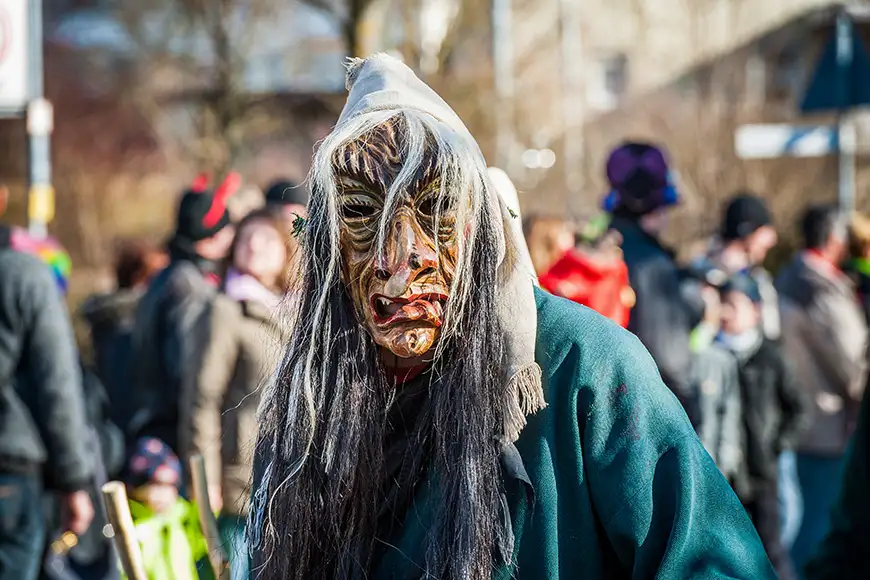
433	205
356	211
427	206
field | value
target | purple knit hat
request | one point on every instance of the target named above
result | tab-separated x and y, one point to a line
640	179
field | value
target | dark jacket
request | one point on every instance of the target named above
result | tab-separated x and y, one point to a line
42	415
660	319
776	410
825	337
93	556
170	335
843	553
112	318
609	481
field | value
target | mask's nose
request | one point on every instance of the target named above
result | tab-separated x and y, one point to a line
407	256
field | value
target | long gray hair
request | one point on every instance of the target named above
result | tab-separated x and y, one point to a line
320	449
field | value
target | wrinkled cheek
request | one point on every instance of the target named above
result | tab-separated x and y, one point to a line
357	278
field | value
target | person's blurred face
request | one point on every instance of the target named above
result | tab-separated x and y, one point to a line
838	249
261	252
759	243
563	240
655	222
158	497
216	247
739	313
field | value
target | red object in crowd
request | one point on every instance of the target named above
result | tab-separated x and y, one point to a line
594	280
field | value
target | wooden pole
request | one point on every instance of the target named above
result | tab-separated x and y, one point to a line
123	531
216	554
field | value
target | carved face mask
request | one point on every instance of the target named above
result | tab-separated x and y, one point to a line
400	290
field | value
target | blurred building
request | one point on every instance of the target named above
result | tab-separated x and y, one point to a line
682	72
761	79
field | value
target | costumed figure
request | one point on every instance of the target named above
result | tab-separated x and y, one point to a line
437	416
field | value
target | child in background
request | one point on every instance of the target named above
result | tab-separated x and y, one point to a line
167	526
714	374
775	410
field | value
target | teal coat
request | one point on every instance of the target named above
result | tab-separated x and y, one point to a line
610	481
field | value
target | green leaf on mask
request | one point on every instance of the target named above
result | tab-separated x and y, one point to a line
513	215
298	226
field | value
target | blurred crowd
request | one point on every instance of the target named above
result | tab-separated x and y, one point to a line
180	349
771	371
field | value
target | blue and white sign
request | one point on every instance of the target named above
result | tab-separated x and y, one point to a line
772	141
14	27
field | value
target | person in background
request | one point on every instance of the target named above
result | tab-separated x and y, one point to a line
288	199
775	410
842	555
167	526
91	558
43	426
825	336
168	331
111	318
641	197
746	236
241	354
548	239
714	374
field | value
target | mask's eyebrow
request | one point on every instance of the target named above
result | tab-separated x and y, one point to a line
428	175
350	182
355	176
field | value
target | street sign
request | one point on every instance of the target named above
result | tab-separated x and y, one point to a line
14	42
771	141
841	80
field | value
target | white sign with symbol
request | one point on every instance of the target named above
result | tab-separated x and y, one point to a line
14	28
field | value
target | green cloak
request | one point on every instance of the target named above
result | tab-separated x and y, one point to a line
609	481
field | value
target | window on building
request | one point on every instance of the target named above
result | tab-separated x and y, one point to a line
789	73
609	83
756	79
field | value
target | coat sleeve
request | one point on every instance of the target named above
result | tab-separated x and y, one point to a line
840	339
797	407
661	321
212	381
665	508
184	319
843	553
51	368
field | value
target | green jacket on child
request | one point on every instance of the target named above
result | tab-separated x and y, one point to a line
173	545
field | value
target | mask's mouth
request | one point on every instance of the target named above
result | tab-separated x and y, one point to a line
427	307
